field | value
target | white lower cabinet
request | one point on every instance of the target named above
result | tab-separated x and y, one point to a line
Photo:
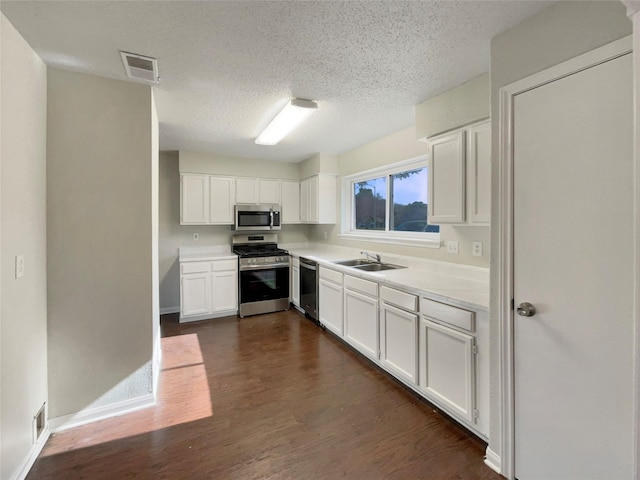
208	289
195	294
295	281
361	317
330	297
447	368
224	291
399	342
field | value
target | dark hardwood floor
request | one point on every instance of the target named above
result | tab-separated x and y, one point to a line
271	396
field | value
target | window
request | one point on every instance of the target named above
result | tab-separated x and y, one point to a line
390	204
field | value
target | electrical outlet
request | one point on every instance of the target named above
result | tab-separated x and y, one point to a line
476	249
19	266
452	246
196	236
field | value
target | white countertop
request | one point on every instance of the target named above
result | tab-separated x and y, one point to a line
461	285
203	254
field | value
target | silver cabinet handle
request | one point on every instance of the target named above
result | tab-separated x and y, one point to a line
525	309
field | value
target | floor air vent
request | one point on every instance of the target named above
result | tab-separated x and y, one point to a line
140	67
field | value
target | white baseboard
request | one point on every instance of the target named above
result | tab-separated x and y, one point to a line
83	417
493	461
209	316
28	461
166	310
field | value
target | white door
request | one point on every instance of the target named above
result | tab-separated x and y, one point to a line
221	198
195	293
361	322
573	233
330	306
246	190
224	291
399	342
290	201
194	199
447	368
269	191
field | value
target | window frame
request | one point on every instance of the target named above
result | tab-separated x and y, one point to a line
348	230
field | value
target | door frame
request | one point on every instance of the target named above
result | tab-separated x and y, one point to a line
504	254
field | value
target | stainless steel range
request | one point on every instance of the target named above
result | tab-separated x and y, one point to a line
263	274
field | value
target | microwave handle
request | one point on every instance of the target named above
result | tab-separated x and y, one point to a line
271	217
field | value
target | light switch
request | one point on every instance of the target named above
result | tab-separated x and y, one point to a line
452	246
19	266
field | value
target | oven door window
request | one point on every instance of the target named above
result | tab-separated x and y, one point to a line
268	284
254	219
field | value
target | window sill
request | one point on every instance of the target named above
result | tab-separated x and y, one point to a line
412	242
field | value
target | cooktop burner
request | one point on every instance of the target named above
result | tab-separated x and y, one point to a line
265	250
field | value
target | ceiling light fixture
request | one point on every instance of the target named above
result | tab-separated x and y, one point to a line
292	115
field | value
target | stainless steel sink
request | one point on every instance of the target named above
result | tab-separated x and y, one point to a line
377	267
355	263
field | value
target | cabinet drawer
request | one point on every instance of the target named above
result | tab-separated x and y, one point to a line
194	267
455	316
220	265
399	298
295	262
364	286
331	275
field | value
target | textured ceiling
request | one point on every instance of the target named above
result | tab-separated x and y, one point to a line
227	67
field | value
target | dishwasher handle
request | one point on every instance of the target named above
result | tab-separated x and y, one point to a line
308	264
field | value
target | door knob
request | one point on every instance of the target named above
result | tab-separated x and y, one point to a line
525	309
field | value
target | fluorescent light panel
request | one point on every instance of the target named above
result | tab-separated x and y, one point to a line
292	115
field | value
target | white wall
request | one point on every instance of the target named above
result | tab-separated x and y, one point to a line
394	148
99	239
173	235
454	108
558	33
23	312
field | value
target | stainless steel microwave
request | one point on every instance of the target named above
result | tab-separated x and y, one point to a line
257	217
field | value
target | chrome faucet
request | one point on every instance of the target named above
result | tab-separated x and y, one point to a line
375	257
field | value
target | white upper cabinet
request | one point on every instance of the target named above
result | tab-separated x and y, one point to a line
269	191
246	190
194	199
479	174
318	199
221	195
447	178
460	176
257	190
290	201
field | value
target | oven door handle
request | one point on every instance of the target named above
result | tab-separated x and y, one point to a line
263	267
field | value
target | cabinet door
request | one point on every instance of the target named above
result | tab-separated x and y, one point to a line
194	199
224	291
195	294
399	342
330	306
295	286
327	199
361	322
314	199
447	178
290	201
221	200
246	190
304	200
447	368
269	191
479	174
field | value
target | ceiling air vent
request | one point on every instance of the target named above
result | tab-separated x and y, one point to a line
140	67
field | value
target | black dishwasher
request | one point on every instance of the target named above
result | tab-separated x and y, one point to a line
309	288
